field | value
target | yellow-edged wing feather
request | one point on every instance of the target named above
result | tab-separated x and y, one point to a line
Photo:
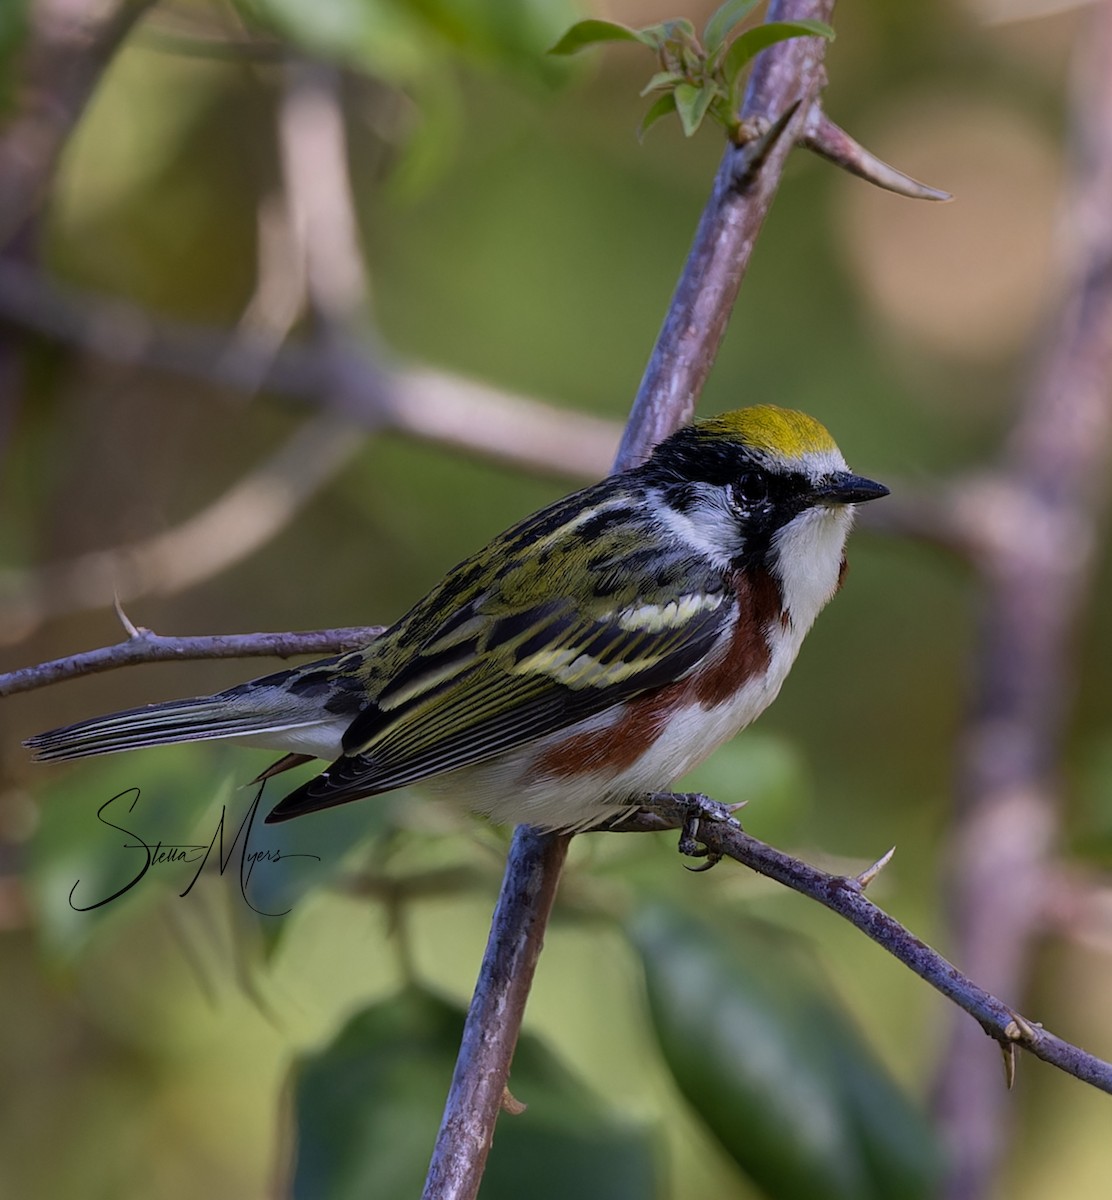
487	681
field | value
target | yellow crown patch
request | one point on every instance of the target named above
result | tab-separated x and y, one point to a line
779	431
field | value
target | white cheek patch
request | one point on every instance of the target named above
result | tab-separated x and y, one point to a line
709	525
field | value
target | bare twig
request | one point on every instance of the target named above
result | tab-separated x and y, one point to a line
966	516
1037	576
248	515
693	329
279	295
846	896
147	647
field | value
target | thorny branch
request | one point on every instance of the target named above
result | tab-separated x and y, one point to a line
786	79
785	76
846	896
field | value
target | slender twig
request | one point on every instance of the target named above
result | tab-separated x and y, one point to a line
784	75
846	896
1037	576
147	647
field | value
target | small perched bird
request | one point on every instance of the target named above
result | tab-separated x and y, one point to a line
583	660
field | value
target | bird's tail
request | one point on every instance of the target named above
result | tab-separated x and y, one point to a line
268	719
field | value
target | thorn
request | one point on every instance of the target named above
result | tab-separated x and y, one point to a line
1007	1049
132	630
1019	1029
870	873
824	137
758	141
511	1104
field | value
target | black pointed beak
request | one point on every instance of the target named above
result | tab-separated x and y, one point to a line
846	488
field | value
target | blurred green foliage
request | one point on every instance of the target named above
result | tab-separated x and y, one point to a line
369	1106
13	29
758	1049
515	231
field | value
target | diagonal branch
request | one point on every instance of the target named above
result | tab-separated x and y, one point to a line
787	74
846	896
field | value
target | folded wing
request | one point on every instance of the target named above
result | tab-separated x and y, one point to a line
489	680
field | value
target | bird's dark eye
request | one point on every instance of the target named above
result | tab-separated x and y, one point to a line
750	489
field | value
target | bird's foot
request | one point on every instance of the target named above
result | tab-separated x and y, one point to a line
690	809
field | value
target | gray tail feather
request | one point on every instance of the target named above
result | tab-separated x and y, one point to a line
194	720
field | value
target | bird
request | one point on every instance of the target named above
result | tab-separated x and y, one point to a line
582	661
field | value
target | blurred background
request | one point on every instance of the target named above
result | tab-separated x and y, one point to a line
299	304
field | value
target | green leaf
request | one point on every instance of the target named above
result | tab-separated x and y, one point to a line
679	32
679	29
725	19
662	79
775	1069
382	38
692	103
661	107
591	33
760	37
368	1107
510	37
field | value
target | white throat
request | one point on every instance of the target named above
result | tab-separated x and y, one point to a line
807	558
